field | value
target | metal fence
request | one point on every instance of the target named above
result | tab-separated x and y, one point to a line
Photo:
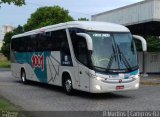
152	64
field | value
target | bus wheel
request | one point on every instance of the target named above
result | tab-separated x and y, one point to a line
23	76
68	85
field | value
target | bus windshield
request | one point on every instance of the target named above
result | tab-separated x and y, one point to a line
113	51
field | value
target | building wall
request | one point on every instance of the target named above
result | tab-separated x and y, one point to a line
7	28
157	10
132	14
153	62
1	44
3	30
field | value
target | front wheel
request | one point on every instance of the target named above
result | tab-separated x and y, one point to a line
23	77
68	86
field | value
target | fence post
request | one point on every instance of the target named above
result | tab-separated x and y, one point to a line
144	64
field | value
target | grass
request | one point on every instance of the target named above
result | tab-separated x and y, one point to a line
4	64
7	109
6	105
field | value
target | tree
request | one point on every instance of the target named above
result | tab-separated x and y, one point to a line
15	2
7	40
83	19
18	30
153	43
6	45
45	16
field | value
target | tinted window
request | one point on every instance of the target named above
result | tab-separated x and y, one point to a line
13	44
19	44
47	41
56	39
80	46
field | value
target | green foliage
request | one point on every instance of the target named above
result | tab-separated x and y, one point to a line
15	2
83	19
6	105
45	16
7	40
18	30
6	45
153	43
4	64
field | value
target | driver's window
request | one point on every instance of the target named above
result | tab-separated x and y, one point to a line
82	51
79	46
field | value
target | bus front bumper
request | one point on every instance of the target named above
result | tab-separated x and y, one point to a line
97	86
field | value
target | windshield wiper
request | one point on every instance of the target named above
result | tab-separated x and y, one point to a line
123	58
111	58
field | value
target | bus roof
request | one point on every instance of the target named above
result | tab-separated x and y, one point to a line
88	25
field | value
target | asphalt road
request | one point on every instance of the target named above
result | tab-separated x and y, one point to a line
39	97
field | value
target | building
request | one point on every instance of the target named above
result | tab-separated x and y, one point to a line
7	28
1	43
3	30
142	18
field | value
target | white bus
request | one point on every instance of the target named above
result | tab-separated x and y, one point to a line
96	57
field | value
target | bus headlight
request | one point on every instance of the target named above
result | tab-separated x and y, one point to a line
99	78
136	85
98	87
137	76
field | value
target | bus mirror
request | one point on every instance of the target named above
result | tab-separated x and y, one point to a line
88	40
143	41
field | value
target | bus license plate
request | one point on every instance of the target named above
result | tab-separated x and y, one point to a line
119	87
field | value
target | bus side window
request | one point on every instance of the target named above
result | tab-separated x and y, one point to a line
82	51
13	45
55	41
19	44
29	47
41	42
65	46
22	44
60	43
79	46
32	43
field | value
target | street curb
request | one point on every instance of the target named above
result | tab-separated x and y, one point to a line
5	69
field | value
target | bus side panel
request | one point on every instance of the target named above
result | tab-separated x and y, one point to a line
53	68
37	66
17	61
43	67
15	69
14	65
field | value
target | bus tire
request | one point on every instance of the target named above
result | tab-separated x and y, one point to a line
23	76
67	84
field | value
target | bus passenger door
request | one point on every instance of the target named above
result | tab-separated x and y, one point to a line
82	56
83	78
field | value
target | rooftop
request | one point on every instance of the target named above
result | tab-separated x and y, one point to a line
141	18
88	25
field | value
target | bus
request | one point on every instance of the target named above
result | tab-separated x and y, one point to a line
95	57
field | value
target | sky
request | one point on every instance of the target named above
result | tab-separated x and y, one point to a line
13	15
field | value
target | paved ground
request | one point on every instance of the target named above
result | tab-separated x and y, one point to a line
38	97
154	79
